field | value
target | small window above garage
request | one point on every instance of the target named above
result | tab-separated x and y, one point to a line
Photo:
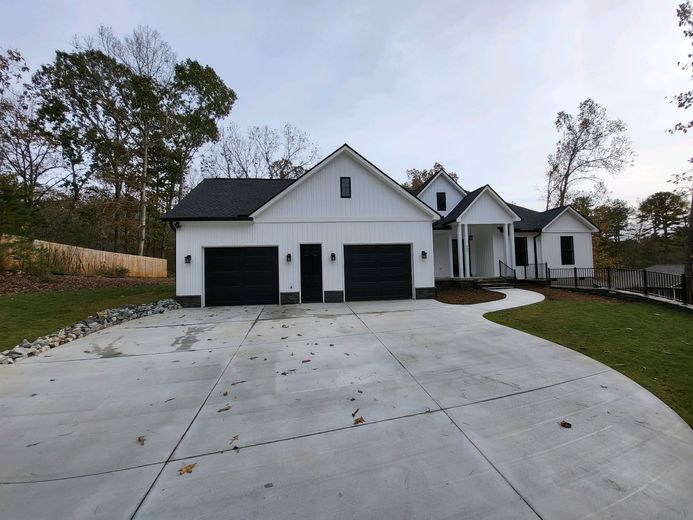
440	201
345	187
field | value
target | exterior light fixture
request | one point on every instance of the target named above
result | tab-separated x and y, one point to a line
424	255
177	225
333	257
188	259
288	257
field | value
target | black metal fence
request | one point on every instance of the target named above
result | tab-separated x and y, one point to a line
532	271
649	283
507	272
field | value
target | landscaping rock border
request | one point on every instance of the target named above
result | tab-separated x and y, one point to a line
99	321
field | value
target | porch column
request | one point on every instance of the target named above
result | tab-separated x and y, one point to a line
512	246
466	250
450	258
460	258
507	247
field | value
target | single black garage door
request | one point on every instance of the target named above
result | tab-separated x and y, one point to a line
377	272
241	275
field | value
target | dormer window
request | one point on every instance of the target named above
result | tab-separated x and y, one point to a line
440	199
345	187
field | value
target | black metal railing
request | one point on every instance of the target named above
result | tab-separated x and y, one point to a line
649	283
507	272
532	271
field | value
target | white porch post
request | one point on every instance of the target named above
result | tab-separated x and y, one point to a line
450	257
466	250
460	258
512	246
507	247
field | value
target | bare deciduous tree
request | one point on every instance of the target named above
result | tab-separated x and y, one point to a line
26	152
684	100
148	56
591	144
261	151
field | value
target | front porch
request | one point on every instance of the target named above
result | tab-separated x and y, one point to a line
480	246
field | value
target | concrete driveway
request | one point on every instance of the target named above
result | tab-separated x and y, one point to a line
461	421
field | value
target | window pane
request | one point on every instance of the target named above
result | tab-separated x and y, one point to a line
440	196
567	251
345	184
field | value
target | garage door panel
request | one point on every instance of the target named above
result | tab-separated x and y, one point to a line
378	272
241	275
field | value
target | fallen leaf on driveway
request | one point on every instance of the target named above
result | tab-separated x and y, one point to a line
355	412
360	391
252	357
224	409
141	439
170	399
306	361
359	420
565	424
186	469
225	393
237	383
235	438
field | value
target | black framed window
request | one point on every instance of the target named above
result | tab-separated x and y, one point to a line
521	257
440	200
567	251
345	187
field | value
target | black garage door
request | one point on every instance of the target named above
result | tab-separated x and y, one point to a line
377	272
241	275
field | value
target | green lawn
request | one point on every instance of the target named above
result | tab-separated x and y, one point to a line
35	314
649	343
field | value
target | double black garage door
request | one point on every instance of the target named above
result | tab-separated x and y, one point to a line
250	275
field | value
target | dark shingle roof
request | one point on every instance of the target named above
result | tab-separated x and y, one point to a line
226	199
534	220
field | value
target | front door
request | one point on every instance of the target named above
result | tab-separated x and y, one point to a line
311	273
455	259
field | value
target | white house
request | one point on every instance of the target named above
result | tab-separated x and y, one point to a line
346	231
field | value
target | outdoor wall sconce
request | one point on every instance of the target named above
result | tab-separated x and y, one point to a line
333	257
424	255
188	259
288	257
176	225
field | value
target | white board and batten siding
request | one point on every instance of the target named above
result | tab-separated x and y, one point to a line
453	196
567	224
313	212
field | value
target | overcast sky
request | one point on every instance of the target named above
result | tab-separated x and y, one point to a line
473	85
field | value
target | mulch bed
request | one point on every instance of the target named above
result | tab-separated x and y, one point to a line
563	295
14	283
466	296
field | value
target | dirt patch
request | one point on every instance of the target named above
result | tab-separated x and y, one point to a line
13	283
466	296
563	295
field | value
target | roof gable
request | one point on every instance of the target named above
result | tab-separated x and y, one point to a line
540	220
445	177
569	219
316	193
484	192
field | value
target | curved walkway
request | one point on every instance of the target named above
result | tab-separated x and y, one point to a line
460	420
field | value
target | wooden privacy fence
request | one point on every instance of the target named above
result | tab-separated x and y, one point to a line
81	260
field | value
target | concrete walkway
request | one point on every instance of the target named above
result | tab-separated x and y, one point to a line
461	421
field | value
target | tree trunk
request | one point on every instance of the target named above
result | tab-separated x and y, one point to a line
143	200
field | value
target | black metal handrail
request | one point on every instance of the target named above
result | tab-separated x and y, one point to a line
507	272
649	283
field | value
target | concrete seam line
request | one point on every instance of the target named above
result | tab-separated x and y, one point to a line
517	492
170	457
